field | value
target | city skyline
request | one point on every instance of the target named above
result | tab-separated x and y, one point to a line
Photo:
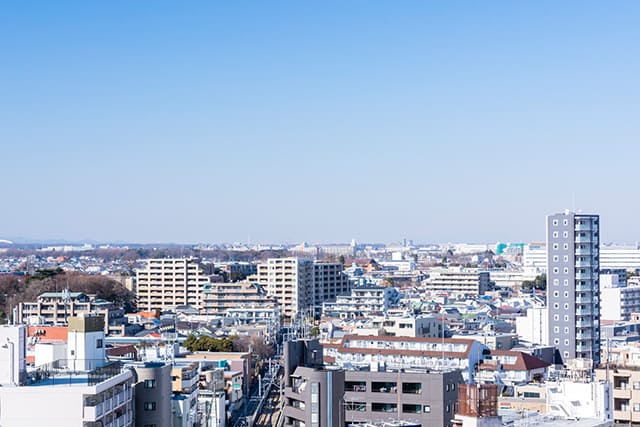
300	122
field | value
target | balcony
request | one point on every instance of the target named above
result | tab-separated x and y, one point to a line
584	311
586	239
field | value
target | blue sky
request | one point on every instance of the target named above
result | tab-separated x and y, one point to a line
317	121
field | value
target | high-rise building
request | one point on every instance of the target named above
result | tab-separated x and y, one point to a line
167	283
290	281
300	284
573	285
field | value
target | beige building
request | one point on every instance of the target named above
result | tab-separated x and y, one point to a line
220	298
624	375
167	283
299	284
290	281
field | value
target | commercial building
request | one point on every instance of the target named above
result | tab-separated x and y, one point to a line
457	282
167	283
317	396
573	285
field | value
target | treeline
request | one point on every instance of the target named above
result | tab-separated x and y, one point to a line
16	289
252	344
205	343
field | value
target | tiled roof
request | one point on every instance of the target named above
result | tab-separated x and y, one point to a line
524	361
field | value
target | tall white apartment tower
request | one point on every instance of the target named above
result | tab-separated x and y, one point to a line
573	285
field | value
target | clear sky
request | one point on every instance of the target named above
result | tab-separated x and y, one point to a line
318	121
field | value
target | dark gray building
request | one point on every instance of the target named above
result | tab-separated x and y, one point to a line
319	397
573	285
153	394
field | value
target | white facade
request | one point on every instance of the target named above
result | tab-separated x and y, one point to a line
13	352
71	403
533	327
457	282
618	303
364	301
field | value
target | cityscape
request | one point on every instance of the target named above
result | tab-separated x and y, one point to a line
319	214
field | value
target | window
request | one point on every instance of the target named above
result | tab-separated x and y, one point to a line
556	341
565	234
149	406
555	234
566	306
555	246
566	294
555	222
556	294
149	383
556	317
99	343
566	342
426	409
566	258
565	222
555	258
566	246
636	407
556	270
556	329
149	425
636	385
566	317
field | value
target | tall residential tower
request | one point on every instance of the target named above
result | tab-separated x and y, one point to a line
573	287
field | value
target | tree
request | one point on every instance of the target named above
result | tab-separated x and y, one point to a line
539	283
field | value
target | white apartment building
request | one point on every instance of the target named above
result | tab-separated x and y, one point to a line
378	353
424	326
457	282
611	257
167	283
80	390
533	327
364	301
618	302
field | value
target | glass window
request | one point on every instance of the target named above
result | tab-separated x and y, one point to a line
149	406
149	383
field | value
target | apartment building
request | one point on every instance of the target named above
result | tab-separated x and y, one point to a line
230	299
364	301
458	282
623	372
167	283
289	281
618	302
406	325
383	353
80	390
55	308
329	281
573	285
